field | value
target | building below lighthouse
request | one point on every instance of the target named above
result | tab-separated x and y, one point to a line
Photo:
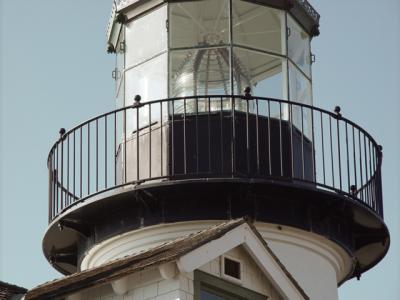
226	261
216	176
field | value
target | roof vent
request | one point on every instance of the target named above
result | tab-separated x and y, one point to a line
231	268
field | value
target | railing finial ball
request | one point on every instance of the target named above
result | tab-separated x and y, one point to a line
137	99
380	147
337	111
110	48
62	131
247	92
353	190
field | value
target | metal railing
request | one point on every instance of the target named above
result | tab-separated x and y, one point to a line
215	137
309	10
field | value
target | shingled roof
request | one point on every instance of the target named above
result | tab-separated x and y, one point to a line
7	291
156	256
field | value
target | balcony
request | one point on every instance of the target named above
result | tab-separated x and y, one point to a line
203	138
170	160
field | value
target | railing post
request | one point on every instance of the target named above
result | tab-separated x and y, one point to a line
50	169
62	133
247	97
379	182
233	141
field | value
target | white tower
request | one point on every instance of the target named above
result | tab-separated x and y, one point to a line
215	121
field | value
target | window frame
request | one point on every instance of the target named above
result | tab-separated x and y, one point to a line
222	287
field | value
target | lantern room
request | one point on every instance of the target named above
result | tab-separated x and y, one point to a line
207	50
186	48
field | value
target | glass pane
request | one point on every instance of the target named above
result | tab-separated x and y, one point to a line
299	46
204	295
146	37
121	94
299	86
149	80
258	26
300	91
199	72
199	23
264	73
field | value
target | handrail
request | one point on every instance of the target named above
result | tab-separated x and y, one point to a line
334	115
218	135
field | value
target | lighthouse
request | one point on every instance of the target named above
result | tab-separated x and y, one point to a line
216	176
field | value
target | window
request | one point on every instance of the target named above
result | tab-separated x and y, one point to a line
262	72
204	59
120	69
199	72
258	26
231	268
199	24
208	287
299	46
146	37
300	91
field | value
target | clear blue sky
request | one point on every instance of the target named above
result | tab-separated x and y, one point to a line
54	72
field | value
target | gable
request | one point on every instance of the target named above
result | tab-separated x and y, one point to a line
251	276
246	236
